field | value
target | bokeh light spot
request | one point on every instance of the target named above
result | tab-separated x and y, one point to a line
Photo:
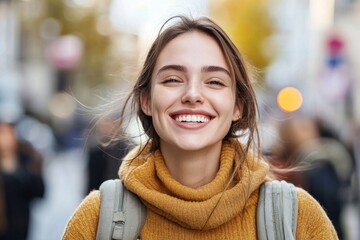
289	99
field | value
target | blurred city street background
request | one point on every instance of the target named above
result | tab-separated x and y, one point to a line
63	61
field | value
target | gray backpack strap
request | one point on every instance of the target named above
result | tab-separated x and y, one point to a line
122	214
277	211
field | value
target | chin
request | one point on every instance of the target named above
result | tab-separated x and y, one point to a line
193	145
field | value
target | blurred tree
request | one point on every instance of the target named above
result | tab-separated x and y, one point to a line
248	23
82	21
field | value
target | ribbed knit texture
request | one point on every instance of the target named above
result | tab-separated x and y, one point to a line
179	212
83	223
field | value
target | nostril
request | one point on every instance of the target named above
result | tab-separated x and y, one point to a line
191	97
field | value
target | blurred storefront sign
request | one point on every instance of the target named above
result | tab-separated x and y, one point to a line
65	52
335	77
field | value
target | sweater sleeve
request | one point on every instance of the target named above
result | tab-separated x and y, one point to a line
313	223
83	223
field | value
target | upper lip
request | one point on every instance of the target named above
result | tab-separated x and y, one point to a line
191	112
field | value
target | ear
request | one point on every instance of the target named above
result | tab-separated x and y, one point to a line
238	110
145	103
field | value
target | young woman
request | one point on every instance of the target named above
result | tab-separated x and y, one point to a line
21	182
198	181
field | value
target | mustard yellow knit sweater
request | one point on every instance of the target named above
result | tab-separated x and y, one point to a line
179	212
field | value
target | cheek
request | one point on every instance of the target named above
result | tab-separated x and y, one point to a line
224	104
162	99
159	105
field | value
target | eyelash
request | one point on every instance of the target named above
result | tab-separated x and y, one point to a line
216	82
211	82
171	80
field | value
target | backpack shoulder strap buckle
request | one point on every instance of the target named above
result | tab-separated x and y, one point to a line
122	214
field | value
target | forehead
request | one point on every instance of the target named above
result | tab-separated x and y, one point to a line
195	49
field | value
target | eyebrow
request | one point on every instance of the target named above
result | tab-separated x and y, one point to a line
215	69
181	68
172	67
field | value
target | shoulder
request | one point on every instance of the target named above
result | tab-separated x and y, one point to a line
313	223
307	204
90	204
83	223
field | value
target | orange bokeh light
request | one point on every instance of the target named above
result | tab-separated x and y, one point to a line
289	99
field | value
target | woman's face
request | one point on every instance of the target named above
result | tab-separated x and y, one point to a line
192	101
7	138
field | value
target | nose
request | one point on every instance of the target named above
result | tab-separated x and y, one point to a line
193	93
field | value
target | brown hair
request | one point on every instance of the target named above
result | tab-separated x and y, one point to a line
246	126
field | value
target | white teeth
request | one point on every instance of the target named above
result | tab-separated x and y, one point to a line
192	118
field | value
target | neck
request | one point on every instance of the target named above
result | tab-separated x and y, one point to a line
8	162
192	168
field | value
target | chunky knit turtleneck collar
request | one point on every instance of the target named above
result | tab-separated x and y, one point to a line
206	207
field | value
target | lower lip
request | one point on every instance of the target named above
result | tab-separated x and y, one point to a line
191	126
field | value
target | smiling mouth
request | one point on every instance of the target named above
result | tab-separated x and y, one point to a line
192	118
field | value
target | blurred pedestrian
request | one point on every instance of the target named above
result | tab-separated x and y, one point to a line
104	157
327	164
20	182
195	100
